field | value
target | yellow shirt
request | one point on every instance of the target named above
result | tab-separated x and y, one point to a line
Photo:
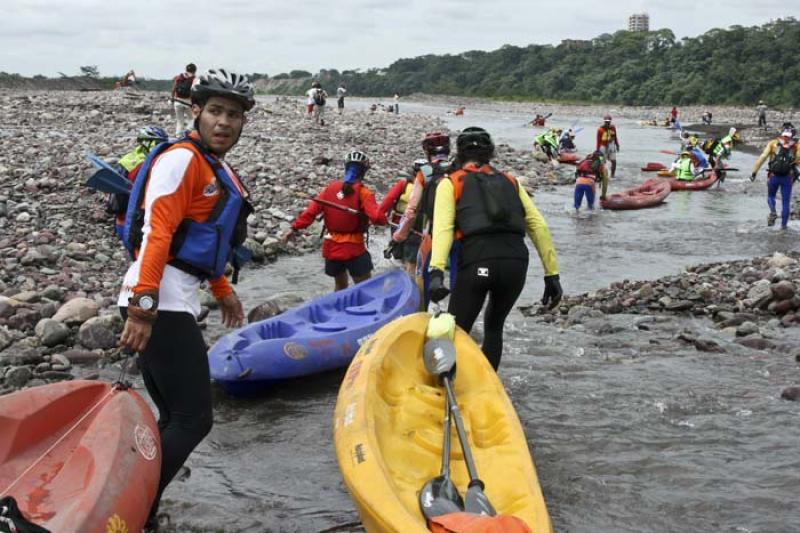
771	151
444	219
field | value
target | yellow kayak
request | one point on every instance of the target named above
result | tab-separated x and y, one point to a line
666	173
388	432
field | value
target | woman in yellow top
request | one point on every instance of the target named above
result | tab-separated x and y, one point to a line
489	213
784	156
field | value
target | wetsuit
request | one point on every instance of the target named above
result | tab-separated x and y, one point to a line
494	259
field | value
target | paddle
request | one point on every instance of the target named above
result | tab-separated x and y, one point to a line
440	495
439	356
105	180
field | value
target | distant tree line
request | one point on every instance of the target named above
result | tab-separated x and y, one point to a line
737	65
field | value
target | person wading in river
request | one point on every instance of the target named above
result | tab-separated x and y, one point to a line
347	207
176	191
489	213
608	142
784	156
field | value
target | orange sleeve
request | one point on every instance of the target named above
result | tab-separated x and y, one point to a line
370	207
164	211
220	287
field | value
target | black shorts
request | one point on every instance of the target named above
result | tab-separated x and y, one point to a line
340	103
411	247
357	266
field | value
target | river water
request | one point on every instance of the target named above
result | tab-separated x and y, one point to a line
630	430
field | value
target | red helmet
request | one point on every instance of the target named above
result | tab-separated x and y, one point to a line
436	143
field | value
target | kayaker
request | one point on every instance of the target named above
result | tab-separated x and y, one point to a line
347	207
488	212
538	120
185	184
608	142
566	142
783	154
547	142
418	216
587	174
684	168
405	251
147	138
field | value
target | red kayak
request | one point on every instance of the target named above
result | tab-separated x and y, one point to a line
570	158
653	167
79	456
651	192
694	185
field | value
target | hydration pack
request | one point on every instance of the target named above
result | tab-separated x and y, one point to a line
784	161
184	86
319	97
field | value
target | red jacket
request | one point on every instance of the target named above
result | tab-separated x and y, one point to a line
344	236
606	137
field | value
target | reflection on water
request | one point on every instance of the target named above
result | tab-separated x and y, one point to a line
630	429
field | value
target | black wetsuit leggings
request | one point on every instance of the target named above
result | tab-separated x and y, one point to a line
502	281
175	371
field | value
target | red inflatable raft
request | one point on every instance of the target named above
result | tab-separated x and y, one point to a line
79	456
709	179
651	192
653	167
570	158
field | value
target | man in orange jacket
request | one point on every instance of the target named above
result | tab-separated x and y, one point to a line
608	142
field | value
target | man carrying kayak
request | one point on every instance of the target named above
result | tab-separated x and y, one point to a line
488	212
588	173
608	142
169	231
347	207
784	156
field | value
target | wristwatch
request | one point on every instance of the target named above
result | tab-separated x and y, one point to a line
145	301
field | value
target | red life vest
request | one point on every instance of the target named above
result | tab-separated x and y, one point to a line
339	220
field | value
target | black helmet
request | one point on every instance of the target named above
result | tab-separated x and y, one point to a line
474	138
220	82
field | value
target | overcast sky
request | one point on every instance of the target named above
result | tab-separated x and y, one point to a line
158	38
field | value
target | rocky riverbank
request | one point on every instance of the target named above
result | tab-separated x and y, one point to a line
60	263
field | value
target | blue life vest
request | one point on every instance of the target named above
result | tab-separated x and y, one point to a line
702	162
199	248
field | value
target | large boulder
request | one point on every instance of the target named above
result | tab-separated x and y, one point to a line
76	311
51	332
100	332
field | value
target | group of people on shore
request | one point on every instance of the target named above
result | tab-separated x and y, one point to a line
185	219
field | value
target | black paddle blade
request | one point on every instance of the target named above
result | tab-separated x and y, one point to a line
439	356
438	497
476	500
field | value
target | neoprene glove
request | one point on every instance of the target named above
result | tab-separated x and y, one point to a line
436	289
552	291
753	176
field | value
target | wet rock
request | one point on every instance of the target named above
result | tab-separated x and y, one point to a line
783	290
790	319
681	305
747	328
756	342
76	311
645	292
18	376
51	332
707	344
55	375
97	333
273	306
791	393
60	362
82	357
782	307
779	260
759	294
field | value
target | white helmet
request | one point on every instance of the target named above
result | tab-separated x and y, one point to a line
357	157
220	82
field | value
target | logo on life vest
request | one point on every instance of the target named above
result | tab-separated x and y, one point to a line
145	442
483	272
211	189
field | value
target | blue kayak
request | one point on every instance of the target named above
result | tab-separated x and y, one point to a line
317	336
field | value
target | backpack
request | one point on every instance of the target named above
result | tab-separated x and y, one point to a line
783	162
709	145
184	86
319	97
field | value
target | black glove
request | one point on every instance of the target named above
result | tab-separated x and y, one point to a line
388	252
436	289
753	176
552	291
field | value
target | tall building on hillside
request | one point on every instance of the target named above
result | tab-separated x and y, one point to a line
639	22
